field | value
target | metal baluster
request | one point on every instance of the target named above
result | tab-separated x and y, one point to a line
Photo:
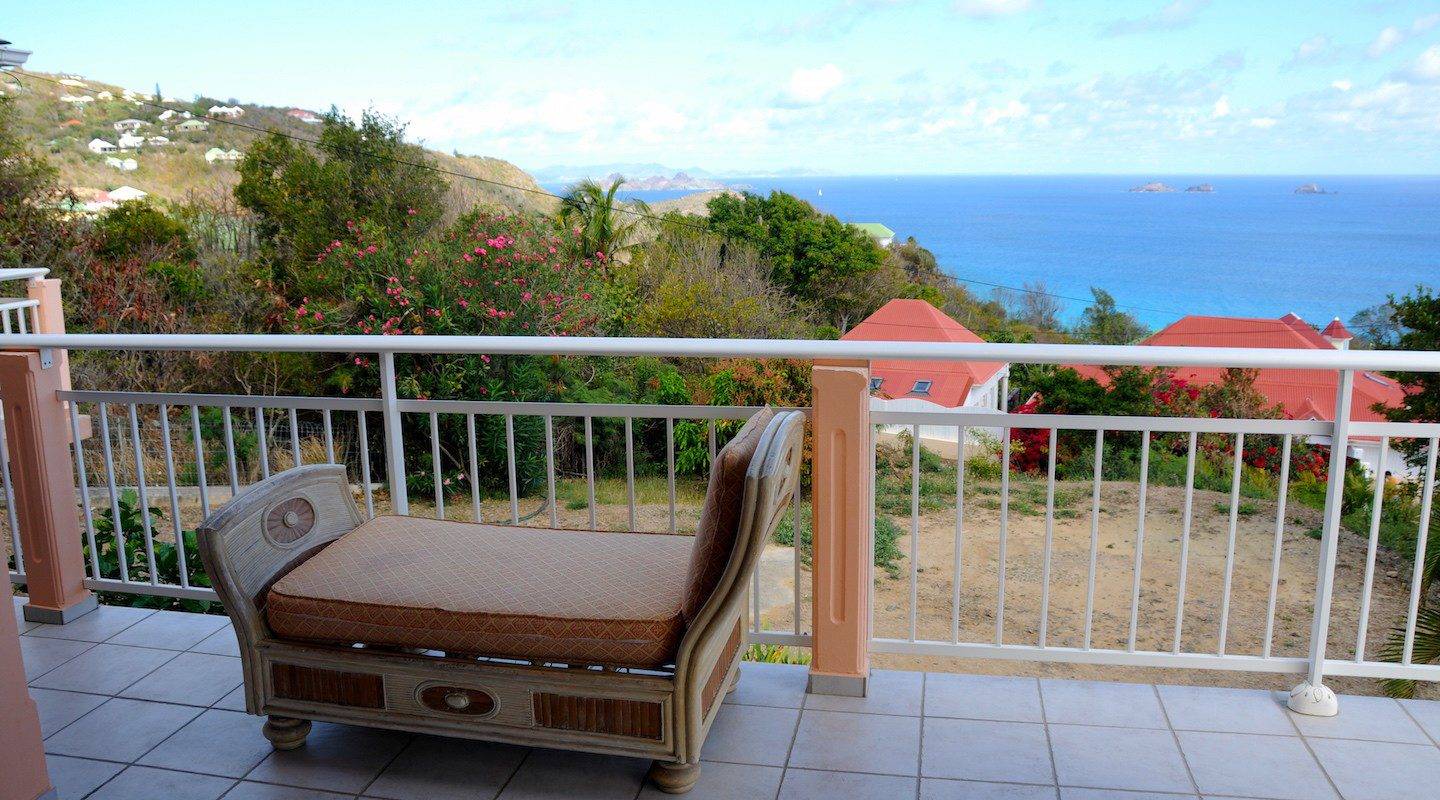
795	552
329	437
1187	518
1418	575
550	470
510	466
1376	504
295	437
1139	540
590	470
435	465
1049	539
1230	540
394	435
630	468
474	466
79	449
1278	546
914	528
1094	533
149	534
230	454
200	478
1004	533
364	433
15	540
117	528
670	467
959	535
180	560
260	437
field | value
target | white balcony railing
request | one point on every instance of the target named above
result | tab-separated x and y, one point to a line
178	435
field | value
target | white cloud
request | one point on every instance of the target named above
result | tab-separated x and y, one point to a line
810	86
1318	49
1263	123
658	122
1344	85
1386	40
1426	67
1172	15
1221	109
1011	110
990	9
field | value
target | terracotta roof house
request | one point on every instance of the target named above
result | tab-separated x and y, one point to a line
1302	393
928	385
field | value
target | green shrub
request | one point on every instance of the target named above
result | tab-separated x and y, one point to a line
137	560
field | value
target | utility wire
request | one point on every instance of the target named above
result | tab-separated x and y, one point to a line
623	209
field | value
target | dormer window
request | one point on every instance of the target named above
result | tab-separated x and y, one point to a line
875	384
921	387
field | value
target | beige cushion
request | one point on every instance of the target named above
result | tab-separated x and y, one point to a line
531	593
720	517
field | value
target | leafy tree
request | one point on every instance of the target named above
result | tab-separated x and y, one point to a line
603	227
813	256
304	198
1376	327
1417	317
1032	305
1103	323
32	226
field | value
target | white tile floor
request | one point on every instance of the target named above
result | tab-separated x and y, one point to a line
138	704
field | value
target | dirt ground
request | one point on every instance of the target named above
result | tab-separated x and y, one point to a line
1114	572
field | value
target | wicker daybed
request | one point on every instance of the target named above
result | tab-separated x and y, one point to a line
606	642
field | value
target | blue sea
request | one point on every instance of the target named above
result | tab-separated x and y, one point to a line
1252	248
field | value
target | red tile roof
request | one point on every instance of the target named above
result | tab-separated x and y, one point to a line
918	321
1337	330
1302	393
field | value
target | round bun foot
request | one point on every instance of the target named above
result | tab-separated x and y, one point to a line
286	733
1314	699
673	778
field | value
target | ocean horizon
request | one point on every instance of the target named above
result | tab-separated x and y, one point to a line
1252	248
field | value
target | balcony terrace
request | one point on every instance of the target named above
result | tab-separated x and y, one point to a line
1068	570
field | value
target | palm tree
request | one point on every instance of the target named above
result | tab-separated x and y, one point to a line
604	225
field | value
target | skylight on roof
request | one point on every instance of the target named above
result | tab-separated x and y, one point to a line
922	387
875	383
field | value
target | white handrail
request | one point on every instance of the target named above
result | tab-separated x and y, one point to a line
1128	355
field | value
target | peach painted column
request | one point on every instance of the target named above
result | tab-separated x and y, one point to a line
41	474
50	318
841	484
22	768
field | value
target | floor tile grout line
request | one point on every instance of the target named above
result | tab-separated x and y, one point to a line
1404	709
410	739
920	754
794	735
1049	745
1305	742
516	771
1175	737
29	681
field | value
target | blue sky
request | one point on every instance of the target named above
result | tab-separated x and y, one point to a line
846	86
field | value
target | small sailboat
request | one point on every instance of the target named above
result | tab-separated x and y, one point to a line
819	192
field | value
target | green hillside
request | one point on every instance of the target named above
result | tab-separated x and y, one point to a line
175	170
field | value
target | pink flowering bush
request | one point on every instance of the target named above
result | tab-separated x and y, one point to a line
489	274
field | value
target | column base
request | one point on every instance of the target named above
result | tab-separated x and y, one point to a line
1315	700
838	685
59	616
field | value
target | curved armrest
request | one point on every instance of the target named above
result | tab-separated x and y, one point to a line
268	529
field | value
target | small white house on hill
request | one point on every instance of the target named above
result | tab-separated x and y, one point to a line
217	154
192	126
124	165
76	99
226	111
130	141
157	141
130	125
125	193
100	146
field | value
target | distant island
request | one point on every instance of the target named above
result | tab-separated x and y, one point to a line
679	181
1201	188
1153	187
1311	188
